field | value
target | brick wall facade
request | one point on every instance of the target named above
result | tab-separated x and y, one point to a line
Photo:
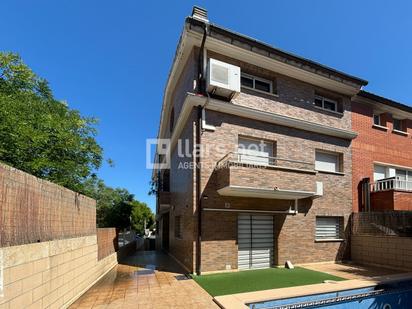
376	145
294	235
34	210
391	200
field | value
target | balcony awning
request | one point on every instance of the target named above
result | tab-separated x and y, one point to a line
278	194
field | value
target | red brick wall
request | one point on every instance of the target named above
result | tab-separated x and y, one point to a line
375	145
107	242
34	210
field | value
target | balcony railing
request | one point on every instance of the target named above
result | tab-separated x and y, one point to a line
392	183
259	161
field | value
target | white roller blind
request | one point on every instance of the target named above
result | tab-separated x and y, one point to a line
328	162
328	228
254	151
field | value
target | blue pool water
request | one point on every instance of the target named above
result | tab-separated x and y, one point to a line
385	296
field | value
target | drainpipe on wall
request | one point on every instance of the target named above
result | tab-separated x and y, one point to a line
200	14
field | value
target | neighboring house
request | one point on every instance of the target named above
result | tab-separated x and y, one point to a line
381	154
275	183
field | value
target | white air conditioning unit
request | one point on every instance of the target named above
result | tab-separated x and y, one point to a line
223	79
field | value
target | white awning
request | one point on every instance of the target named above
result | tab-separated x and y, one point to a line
278	194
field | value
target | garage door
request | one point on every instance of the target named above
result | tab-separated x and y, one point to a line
255	241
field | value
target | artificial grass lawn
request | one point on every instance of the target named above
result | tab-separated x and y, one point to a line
261	279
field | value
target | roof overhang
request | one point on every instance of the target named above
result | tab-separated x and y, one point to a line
383	105
267	193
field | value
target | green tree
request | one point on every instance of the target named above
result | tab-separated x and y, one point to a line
44	137
41	135
142	214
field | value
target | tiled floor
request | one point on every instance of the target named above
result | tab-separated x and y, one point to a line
146	280
352	271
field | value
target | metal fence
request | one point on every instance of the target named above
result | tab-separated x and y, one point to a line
391	223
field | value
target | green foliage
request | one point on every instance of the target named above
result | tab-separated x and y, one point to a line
44	137
141	215
118	207
41	135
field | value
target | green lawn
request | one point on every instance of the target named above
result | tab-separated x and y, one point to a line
262	279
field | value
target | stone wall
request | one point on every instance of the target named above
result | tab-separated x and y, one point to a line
385	251
51	274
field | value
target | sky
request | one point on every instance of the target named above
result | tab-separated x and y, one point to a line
111	59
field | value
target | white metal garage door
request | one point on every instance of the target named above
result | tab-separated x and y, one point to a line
255	241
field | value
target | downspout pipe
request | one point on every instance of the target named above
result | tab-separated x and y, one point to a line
201	89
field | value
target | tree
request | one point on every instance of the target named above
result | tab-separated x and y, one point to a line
44	137
142	214
41	135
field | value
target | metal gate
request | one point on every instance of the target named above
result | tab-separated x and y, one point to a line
255	241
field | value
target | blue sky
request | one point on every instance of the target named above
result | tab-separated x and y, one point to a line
110	59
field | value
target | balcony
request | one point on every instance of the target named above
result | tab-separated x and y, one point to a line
246	175
391	194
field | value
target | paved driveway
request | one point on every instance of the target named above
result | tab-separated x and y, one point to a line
146	279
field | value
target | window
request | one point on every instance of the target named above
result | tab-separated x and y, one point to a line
327	162
377	120
178	227
172	119
256	83
397	125
255	151
326	103
379	172
329	228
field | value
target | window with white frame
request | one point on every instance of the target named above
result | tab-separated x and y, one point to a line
256	83
326	103
255	151
398	125
328	161
377	119
329	228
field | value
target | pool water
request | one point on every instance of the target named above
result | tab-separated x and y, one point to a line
385	296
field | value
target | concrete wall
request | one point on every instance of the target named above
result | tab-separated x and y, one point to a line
385	251
51	274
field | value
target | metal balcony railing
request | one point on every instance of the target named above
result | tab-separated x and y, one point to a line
392	183
251	160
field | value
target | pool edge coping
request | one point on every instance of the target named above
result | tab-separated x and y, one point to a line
239	300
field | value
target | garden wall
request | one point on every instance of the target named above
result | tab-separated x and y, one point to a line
34	210
385	251
50	251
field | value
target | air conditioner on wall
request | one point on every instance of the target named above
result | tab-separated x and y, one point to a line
223	79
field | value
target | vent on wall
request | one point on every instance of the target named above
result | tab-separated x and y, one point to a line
223	79
199	13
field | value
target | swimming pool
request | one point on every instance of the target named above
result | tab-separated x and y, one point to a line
384	296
